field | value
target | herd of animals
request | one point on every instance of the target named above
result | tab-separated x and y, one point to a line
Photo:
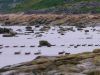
60	31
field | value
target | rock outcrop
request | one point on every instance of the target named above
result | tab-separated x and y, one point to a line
51	19
87	63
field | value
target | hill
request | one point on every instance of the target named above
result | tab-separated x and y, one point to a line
55	6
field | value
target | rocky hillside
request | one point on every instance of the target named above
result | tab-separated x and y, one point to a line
87	63
50	19
53	6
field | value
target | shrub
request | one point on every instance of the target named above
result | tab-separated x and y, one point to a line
44	43
4	30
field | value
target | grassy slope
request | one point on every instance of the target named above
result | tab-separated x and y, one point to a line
6	5
38	4
46	4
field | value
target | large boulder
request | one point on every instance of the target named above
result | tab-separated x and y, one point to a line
96	51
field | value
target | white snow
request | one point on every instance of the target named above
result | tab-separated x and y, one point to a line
78	37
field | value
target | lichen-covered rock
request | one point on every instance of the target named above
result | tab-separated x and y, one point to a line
96	51
94	72
86	63
97	60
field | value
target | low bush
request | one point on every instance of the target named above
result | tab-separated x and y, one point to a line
44	43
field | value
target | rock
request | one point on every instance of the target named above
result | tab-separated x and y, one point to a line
93	72
86	64
96	51
9	72
81	20
97	60
74	74
69	68
73	64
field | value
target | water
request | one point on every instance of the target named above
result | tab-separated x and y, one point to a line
78	37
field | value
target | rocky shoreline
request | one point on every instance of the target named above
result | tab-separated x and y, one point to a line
87	63
50	19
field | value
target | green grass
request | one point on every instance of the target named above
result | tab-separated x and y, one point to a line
38	4
87	0
47	4
25	5
90	9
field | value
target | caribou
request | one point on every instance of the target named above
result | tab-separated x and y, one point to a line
67	53
27	53
60	53
22	46
17	53
1	47
83	44
32	46
0	52
15	46
90	45
7	46
37	53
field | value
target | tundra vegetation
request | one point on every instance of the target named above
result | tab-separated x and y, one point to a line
54	6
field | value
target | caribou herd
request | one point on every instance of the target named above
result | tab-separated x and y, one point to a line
61	31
